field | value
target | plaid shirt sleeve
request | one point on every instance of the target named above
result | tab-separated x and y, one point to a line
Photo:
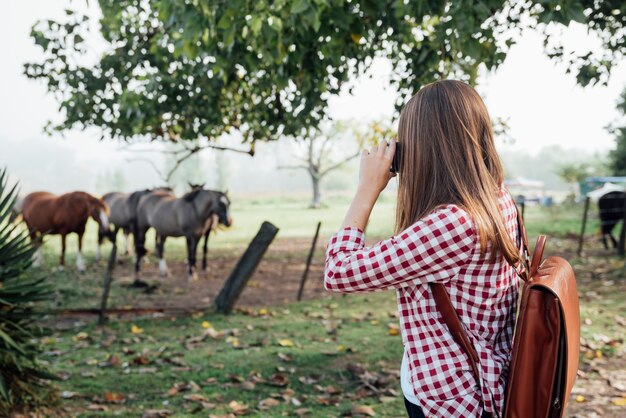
434	248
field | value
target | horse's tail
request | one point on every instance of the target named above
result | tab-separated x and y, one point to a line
139	238
16	210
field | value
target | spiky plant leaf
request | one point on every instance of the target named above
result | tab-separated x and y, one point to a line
24	383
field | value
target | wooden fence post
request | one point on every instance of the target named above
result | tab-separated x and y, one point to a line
108	278
584	224
308	261
244	268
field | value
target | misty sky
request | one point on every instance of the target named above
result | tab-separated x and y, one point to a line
543	105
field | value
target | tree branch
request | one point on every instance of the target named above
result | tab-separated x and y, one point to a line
293	167
322	150
339	164
152	164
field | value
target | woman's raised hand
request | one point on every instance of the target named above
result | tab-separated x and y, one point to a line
375	167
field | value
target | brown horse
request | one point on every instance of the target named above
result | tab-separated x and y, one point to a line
45	213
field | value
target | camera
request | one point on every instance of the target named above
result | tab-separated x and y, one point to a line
397	157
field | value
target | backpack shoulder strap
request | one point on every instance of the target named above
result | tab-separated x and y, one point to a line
452	320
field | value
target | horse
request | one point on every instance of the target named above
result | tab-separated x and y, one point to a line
123	211
189	216
611	207
45	213
212	226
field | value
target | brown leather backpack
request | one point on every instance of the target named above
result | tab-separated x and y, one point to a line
546	344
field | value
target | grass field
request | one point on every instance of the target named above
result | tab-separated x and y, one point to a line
325	357
294	219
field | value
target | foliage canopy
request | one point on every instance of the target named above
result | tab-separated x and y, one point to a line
188	69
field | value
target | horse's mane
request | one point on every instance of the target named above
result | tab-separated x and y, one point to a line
190	196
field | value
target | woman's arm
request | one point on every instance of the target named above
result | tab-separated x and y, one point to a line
374	175
434	248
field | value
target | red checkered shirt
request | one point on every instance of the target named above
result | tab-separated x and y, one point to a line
441	247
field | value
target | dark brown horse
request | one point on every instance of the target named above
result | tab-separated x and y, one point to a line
45	213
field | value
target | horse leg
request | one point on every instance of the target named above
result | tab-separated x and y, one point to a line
80	263
192	247
608	230
157	239
140	251
205	248
62	256
100	239
606	245
161	253
126	241
36	241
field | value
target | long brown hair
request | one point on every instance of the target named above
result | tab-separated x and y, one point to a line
449	157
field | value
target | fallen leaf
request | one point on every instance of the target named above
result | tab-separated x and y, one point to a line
363	410
80	336
233	341
97	407
247	385
113	397
238	408
285	357
619	401
66	394
394	329
140	360
113	360
285	342
278	379
156	413
194	397
268	403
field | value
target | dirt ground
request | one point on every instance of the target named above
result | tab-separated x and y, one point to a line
275	281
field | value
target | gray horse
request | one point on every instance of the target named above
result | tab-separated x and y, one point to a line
190	216
123	207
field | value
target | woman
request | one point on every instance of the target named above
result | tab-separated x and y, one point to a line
456	225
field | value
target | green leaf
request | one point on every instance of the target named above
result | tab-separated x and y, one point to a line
275	23
299	6
4	389
256	23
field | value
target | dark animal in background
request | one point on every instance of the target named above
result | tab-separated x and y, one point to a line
123	213
611	207
45	213
189	216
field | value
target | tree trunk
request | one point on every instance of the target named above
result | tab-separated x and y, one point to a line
317	197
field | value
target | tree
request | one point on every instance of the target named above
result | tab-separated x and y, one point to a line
321	150
572	174
182	70
24	382
618	155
